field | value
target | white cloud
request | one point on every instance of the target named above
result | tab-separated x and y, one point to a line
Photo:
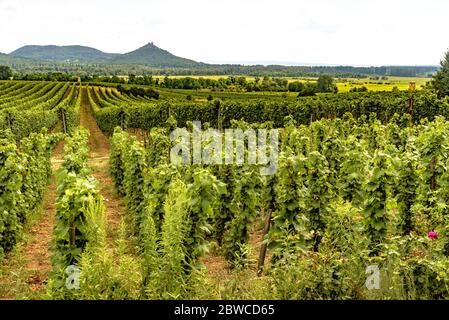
405	32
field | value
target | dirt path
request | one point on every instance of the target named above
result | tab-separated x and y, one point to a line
98	160
37	253
98	143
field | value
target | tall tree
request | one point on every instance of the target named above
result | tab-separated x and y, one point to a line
5	73
326	83
440	80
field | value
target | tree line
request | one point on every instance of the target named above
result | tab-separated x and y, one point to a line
324	83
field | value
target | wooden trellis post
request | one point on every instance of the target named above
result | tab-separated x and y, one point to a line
64	124
263	247
411	89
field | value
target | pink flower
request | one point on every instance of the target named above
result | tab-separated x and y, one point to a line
432	235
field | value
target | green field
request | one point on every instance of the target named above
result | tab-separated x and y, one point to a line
402	83
345	84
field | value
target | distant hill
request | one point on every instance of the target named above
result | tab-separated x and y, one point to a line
63	54
150	59
154	56
149	55
11	60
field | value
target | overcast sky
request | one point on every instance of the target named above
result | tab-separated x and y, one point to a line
348	32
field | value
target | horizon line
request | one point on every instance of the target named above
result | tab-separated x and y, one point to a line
246	63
